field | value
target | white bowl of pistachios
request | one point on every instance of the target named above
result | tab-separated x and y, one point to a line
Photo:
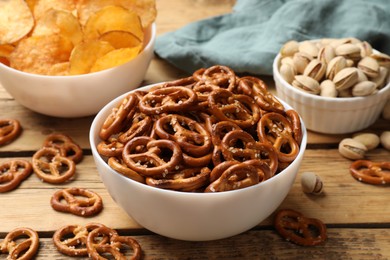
338	86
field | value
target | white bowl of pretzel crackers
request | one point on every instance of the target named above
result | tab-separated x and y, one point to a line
338	86
200	158
70	58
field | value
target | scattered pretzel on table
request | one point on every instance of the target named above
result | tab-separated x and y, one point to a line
168	135
78	201
21	243
12	173
377	173
297	228
10	129
67	147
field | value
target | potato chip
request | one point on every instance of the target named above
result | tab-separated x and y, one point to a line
85	54
113	18
4	60
59	69
59	22
16	20
6	50
38	53
115	58
121	39
40	7
146	9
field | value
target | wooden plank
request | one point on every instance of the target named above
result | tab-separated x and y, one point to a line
258	244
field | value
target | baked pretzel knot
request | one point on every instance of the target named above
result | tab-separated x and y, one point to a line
297	228
377	173
78	201
71	240
12	173
50	166
9	130
114	246
67	147
20	243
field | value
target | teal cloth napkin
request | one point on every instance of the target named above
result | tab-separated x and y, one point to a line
249	38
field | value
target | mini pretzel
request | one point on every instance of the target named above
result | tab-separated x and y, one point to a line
299	229
67	147
149	160
113	246
275	129
18	246
237	108
258	89
71	240
218	131
191	136
295	121
190	179
9	130
141	125
377	173
236	176
221	76
118	165
51	167
110	147
12	173
115	121
170	99
90	204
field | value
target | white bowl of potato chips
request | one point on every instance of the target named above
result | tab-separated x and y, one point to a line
69	59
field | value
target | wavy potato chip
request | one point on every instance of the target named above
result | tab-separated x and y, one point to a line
59	69
146	9
85	54
59	22
115	58
38	53
113	18
121	39
16	20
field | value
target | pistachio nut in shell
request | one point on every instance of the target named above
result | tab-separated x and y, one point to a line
382	58
348	50
385	139
369	66
311	183
306	84
287	72
301	59
352	149
361	76
326	54
315	69
328	89
365	49
363	88
381	79
289	48
335	65
370	140
309	48
345	78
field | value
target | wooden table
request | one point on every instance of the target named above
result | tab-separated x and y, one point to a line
357	215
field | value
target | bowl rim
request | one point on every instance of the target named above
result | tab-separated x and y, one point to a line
151	32
279	77
99	159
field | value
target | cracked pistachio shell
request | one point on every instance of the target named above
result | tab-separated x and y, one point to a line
385	140
289	48
348	50
382	58
315	69
369	66
309	48
365	49
287	72
335	65
352	149
363	88
380	80
328	89
345	78
307	84
301	59
311	183
370	140
326	54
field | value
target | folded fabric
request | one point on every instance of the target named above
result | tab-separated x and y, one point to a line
249	38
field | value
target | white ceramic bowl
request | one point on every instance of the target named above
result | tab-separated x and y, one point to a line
79	95
193	216
331	115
